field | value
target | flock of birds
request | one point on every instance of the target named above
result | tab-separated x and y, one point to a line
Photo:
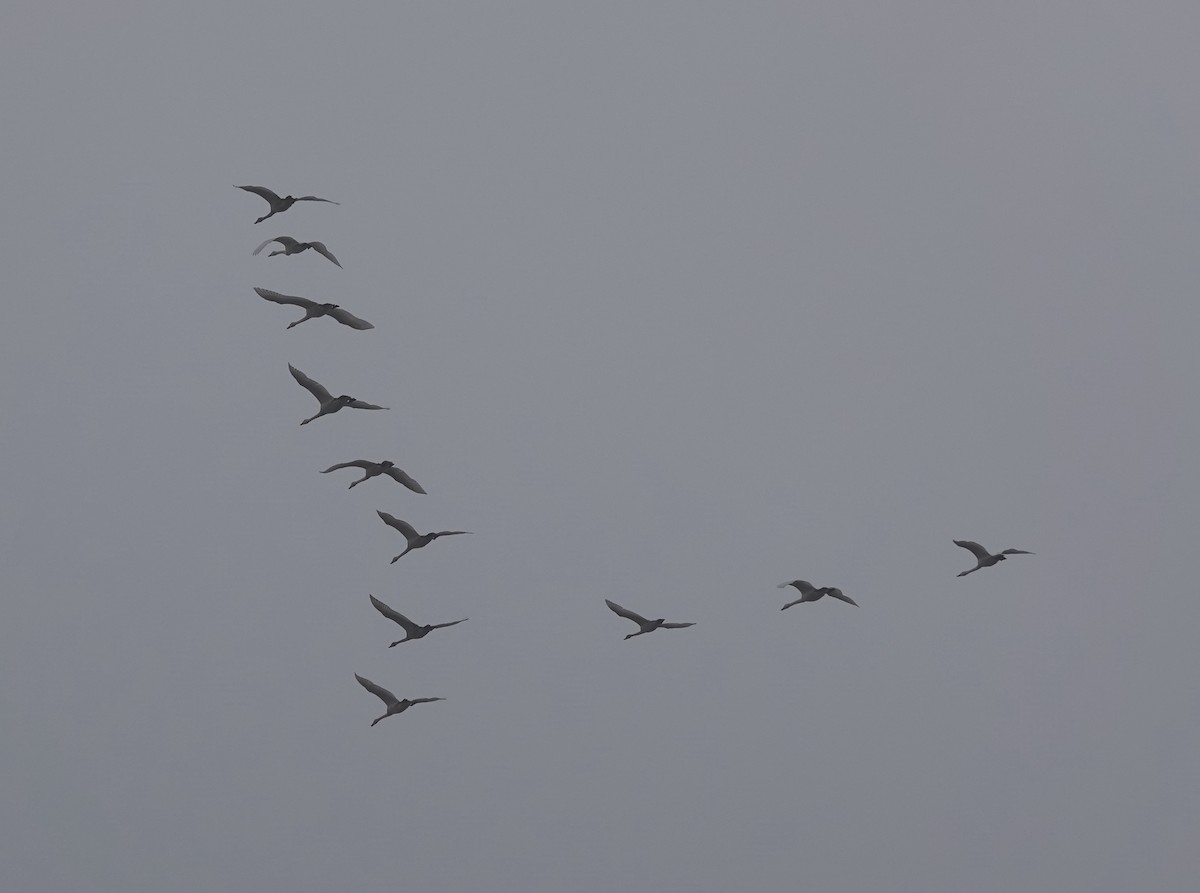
328	404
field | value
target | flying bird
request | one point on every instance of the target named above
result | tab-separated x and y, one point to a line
312	309
415	540
647	626
983	557
810	593
278	204
411	630
328	402
291	246
376	468
394	704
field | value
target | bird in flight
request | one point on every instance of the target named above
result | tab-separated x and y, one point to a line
810	593
411	630
415	540
647	626
376	468
328	402
312	309
280	204
394	704
291	246
983	557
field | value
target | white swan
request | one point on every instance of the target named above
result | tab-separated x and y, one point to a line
279	204
411	630
312	309
415	540
328	402
394	704
291	246
376	468
647	626
810	593
985	558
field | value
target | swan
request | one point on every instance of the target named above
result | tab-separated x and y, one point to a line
810	593
647	626
394	704
415	540
983	557
291	246
280	204
411	630
328	402
376	468
312	309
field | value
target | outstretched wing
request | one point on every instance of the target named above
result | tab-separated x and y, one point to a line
357	463
451	532
284	299
401	477
1016	552
676	625
311	386
263	192
348	319
834	592
263	245
378	690
313	198
424	700
803	585
974	548
450	623
410	532
320	248
626	613
394	616
362	404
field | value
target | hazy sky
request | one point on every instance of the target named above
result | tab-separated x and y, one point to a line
674	301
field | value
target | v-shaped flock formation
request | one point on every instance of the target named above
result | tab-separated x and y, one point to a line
328	404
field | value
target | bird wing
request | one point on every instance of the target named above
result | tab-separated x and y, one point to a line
451	623
802	585
264	192
834	592
626	613
410	532
311	386
1016	552
284	299
401	477
320	248
313	198
378	690
451	532
348	319
394	616
676	625
424	700
974	548
362	404
264	245
357	463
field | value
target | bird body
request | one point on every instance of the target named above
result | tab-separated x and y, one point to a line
312	309
645	626
291	246
393	703
278	203
329	403
983	558
415	540
373	469
810	593
411	630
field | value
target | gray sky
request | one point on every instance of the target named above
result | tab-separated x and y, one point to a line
673	302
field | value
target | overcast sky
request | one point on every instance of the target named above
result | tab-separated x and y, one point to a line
673	301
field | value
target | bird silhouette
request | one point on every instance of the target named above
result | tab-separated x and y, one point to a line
394	704
291	246
312	309
415	540
328	402
646	626
373	469
810	593
279	204
984	558
411	630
